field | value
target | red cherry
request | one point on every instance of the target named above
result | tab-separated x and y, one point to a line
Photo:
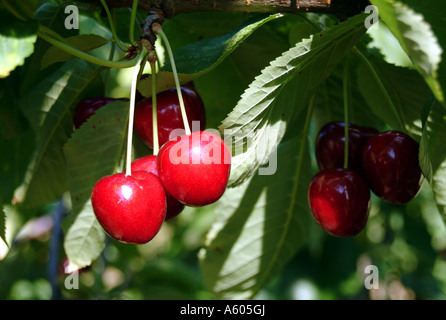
132	208
149	164
195	168
330	144
88	106
169	115
391	167
339	200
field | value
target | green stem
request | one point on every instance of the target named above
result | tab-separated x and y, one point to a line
132	21
154	110
128	170
158	30
380	84
112	27
346	118
82	55
53	33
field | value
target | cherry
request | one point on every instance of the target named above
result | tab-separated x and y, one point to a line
131	208
330	144
339	200
391	167
149	164
195	168
88	106
169	114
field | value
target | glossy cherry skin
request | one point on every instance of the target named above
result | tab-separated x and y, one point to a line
391	167
88	107
339	200
195	168
169	115
132	208
330	144
149	164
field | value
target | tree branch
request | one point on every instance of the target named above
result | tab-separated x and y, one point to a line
342	8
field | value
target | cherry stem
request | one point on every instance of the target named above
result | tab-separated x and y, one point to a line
346	124
132	22
154	110
156	27
82	55
112	27
139	64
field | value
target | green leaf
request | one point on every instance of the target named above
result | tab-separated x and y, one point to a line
22	9
278	95
406	89
93	151
433	13
85	239
388	45
260	225
417	39
17	40
433	154
52	16
236	72
83	42
200	57
47	108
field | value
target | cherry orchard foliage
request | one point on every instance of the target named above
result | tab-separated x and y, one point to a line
262	223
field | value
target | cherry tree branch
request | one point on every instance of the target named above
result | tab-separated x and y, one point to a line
343	8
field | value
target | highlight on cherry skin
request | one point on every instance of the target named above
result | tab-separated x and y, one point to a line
149	163
195	168
132	208
169	115
339	200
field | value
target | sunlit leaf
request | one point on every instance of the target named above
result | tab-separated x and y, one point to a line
417	39
278	95
16	42
260	225
47	108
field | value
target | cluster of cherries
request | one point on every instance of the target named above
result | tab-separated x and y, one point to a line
189	169
384	162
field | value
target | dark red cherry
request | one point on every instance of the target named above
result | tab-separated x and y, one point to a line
195	168
330	144
149	164
169	115
132	208
88	106
339	200
391	167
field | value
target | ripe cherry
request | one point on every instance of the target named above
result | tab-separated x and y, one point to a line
149	164
339	200
132	208
391	167
169	115
330	144
195	168
88	106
